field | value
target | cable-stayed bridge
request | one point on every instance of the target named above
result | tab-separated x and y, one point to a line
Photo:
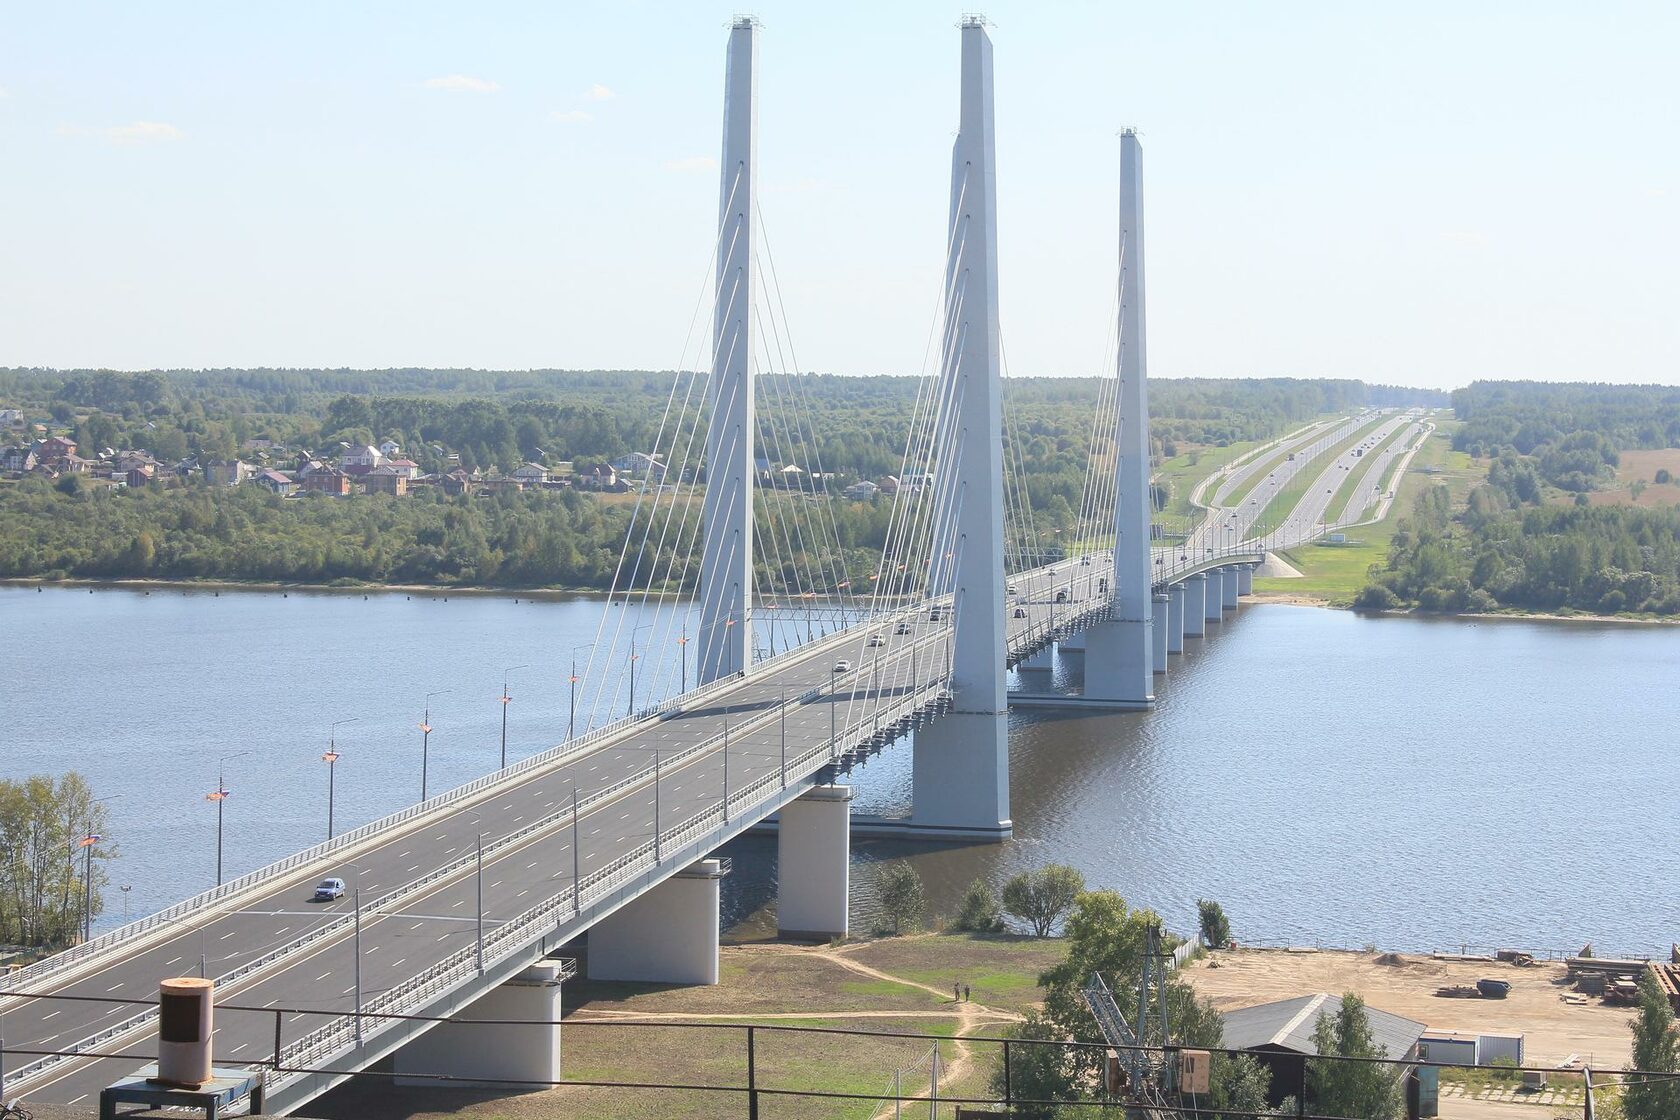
785	653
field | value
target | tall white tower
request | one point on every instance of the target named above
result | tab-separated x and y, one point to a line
1119	652
961	768
726	563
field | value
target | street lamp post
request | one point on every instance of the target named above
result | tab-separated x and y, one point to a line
86	844
331	759
571	715
126	887
506	699
219	797
426	738
634	656
682	654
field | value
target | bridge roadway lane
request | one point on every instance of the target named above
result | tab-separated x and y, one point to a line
1304	518
1295	442
442	919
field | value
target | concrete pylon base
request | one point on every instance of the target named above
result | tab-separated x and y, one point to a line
1245	580
1231	581
1175	618
1195	606
505	1054
1117	662
813	864
960	777
1073	643
668	935
1213	604
1158	633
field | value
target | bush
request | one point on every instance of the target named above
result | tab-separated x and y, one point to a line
1663	477
980	912
1375	597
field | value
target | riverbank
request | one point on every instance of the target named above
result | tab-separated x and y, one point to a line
1289	599
188	586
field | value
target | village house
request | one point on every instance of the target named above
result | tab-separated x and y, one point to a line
408	468
601	477
12	421
458	482
140	475
390	449
360	460
18	460
862	490
326	481
275	482
386	480
531	475
638	462
230	473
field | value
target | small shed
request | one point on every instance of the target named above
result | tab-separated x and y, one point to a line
1280	1036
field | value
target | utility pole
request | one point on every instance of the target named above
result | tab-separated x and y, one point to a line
506	699
426	737
331	759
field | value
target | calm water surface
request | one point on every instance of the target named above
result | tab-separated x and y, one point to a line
1404	782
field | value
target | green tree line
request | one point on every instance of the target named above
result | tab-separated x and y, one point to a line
43	892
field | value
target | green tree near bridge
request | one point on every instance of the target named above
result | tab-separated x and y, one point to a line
43	823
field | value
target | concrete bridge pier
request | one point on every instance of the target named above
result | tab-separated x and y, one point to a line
1229	578
1195	606
1160	606
509	1053
1073	643
960	777
1245	579
668	935
813	864
1117	664
1175	618
1214	600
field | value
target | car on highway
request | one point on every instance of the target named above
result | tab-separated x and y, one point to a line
876	641
842	666
328	889
1020	612
902	628
935	614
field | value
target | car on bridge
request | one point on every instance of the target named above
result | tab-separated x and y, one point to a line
1020	612
328	889
902	628
876	641
842	666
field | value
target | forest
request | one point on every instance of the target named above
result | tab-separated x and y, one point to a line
496	421
1515	544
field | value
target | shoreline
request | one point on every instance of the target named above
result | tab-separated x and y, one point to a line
1292	599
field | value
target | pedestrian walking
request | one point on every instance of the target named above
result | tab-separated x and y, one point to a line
956	993
968	994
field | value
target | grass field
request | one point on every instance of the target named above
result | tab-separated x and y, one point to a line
1636	481
894	984
1334	574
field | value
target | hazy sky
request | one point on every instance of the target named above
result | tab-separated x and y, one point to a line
1421	193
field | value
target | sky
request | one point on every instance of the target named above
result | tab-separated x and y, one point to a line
1420	194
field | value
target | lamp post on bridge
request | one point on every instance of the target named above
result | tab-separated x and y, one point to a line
506	700
426	737
219	796
634	656
331	759
86	843
572	683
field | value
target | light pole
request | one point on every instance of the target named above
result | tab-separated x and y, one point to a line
126	887
219	796
86	844
426	738
682	653
571	715
506	699
634	656
331	759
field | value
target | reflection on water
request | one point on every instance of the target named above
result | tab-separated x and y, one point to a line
1400	781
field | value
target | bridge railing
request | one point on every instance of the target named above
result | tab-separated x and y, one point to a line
513	936
206	902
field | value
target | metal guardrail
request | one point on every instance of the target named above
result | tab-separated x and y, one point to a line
551	823
331	1039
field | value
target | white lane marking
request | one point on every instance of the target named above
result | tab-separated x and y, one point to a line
462	902
49	1015
324	975
416	926
227	935
238	1048
416	867
403	961
166	964
83	1097
112	988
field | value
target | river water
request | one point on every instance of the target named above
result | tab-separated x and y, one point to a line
1328	778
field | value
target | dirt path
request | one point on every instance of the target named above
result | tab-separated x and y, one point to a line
971	1017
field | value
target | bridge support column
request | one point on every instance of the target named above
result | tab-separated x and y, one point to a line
960	776
1160	606
522	1051
668	935
1245	580
1073	643
1175	618
1117	664
1195	606
1229	580
813	864
1214	603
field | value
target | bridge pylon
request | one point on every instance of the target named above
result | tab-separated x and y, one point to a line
1119	660
960	783
726	562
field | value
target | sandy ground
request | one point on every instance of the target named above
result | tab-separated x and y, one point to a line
1555	1030
1275	567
